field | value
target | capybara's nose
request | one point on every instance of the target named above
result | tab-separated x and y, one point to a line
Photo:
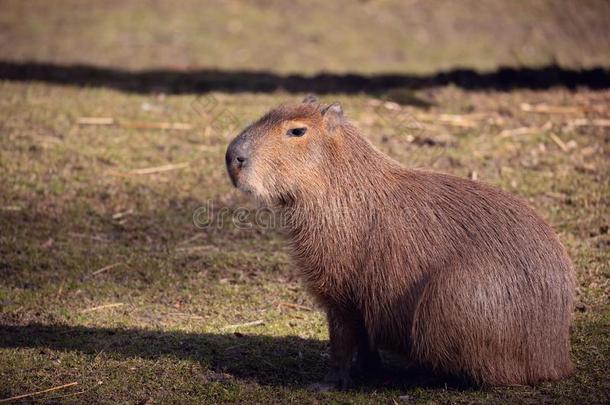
235	159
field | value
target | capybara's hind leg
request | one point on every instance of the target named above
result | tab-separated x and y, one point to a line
494	333
464	327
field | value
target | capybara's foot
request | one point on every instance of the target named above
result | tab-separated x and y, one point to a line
333	381
322	387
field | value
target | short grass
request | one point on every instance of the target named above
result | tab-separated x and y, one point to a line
66	212
165	323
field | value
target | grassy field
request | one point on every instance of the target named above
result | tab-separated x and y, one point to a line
109	278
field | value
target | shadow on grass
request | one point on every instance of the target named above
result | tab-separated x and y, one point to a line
205	80
282	361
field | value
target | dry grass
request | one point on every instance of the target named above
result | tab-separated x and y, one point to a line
218	314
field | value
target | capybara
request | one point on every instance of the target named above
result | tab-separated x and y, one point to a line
458	275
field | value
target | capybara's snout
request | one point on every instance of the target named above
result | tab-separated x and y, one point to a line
236	158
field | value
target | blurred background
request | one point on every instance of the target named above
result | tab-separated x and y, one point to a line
129	273
383	36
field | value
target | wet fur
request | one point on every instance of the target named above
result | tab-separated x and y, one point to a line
458	275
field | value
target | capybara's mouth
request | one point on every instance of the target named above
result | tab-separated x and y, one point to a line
233	175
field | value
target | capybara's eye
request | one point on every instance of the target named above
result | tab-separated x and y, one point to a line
296	132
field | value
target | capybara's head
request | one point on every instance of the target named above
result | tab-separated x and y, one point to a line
287	151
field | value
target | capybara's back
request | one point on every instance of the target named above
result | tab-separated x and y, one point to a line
459	275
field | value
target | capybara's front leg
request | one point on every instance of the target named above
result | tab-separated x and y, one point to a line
343	333
368	361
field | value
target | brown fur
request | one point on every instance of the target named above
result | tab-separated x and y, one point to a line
459	275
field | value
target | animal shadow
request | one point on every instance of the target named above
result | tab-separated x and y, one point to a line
288	361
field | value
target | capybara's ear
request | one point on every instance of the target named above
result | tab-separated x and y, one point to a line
332	115
310	99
